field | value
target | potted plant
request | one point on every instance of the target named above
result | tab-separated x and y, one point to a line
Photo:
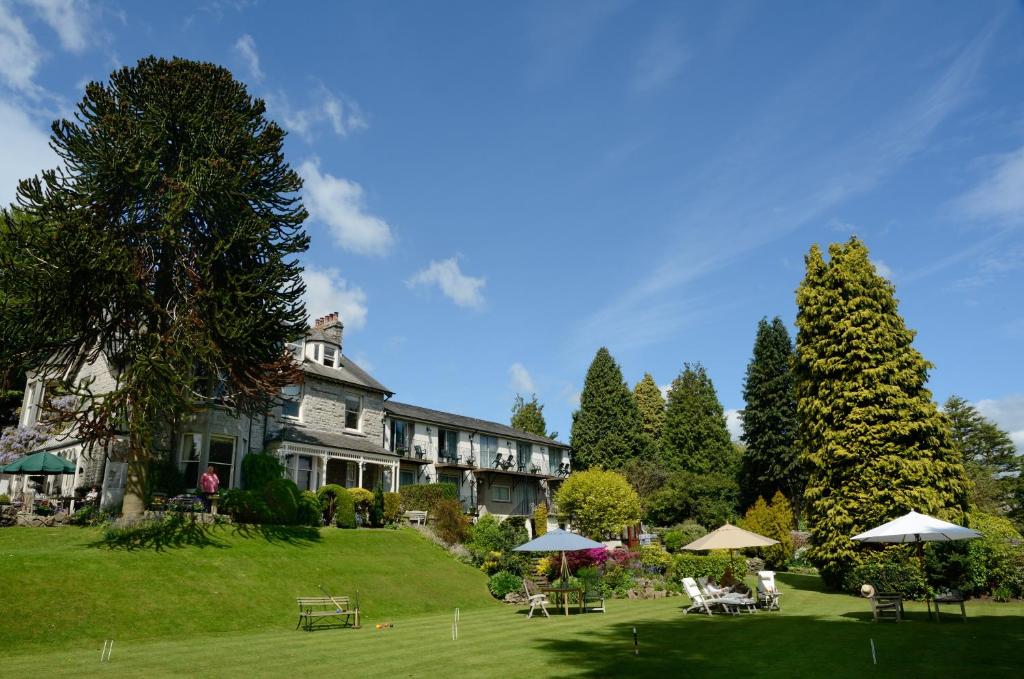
534	469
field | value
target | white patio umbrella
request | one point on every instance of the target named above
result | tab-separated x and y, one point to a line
917	528
559	540
732	538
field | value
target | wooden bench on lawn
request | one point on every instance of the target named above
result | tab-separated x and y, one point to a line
415	516
313	609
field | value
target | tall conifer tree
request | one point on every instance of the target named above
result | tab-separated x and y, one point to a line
606	428
166	245
769	463
873	440
988	455
651	406
695	437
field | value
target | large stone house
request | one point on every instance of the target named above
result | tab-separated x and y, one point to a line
341	426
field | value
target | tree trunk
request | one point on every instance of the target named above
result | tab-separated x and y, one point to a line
136	481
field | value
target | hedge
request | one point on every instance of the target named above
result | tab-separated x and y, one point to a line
392	508
423	497
710	566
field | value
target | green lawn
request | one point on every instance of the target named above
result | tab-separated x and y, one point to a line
224	611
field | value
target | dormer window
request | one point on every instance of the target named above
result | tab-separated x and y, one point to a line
329	356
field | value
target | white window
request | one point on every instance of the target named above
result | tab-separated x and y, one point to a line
316	351
222	458
304	472
488	450
290	399
353	411
188	462
501	493
329	354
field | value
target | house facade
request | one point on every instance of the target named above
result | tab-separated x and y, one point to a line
340	426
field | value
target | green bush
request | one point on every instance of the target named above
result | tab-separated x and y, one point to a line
451	524
617	581
4	500
486	537
282	498
540	519
164	477
980	566
362	499
679	536
893	569
710	566
392	508
345	510
654	558
328	496
259	469
423	497
377	508
309	511
503	582
599	502
244	506
775	521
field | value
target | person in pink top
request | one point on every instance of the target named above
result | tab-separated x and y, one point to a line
208	485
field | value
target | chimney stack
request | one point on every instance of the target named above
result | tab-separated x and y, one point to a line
332	328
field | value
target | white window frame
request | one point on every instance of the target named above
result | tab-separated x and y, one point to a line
191	437
507	489
359	423
234	456
296	399
334	356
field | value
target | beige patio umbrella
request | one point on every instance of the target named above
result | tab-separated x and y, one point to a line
732	538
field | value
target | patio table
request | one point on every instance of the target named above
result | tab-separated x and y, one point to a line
563	593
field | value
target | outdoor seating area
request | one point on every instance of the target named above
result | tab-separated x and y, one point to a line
327	611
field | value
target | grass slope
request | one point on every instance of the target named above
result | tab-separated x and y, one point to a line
60	588
415	585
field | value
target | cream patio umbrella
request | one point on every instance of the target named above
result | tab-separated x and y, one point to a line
732	538
919	529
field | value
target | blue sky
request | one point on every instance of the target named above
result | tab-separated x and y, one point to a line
498	189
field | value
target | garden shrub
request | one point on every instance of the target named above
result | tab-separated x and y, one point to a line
774	521
309	512
655	559
893	569
244	506
503	582
540	519
328	496
980	566
392	508
164	477
282	498
423	497
599	502
617	581
4	500
487	537
362	499
344	510
450	523
585	558
377	508
259	469
711	566
679	536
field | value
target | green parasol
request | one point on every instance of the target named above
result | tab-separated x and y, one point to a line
39	463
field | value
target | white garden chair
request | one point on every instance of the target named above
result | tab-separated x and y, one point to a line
767	593
698	601
535	600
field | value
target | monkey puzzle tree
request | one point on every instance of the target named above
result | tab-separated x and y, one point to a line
166	247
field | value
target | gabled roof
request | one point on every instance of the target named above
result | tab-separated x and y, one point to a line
315	437
408	411
348	373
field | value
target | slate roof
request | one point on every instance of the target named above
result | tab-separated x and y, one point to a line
362	444
348	373
406	410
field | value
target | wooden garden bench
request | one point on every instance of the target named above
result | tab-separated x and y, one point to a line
415	516
313	609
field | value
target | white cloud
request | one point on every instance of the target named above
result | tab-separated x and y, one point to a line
340	204
1001	194
70	19
883	269
734	422
327	292
665	389
342	115
19	54
1008	413
26	150
246	48
661	61
465	291
522	382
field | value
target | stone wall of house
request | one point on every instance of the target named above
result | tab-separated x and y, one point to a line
323	408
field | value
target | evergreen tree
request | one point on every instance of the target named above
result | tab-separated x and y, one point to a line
769	462
529	416
695	437
988	455
872	438
651	406
167	245
606	428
